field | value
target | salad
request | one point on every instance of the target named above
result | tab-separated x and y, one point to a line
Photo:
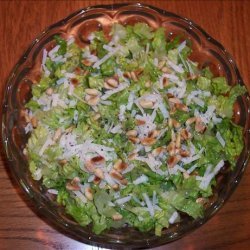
128	131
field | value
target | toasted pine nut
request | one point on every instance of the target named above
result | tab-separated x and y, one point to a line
169	95
147	84
146	104
178	141
132	156
92	92
112	82
148	141
158	151
165	82
116	217
78	70
170	122
96	180
116	175
201	200
99	173
124	182
34	122
116	187
97	160
49	91
176	124
181	107
107	86
87	63
120	165
57	134
74	184
93	100
174	100
89	166
27	117
127	75
132	133
173	136
139	122
85	73
173	160
74	81
190	120
88	193
185	134
138	71
117	163
134	77
71	187
133	139
184	153
165	70
171	148
154	133
199	125
63	162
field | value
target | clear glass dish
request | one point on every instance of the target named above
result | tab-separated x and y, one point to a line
80	24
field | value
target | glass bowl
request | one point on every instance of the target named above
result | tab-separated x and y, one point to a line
80	24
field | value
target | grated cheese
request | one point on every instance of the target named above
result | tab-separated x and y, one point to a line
142	179
182	46
220	139
52	191
174	217
123	200
209	176
81	196
177	68
149	204
130	100
122	112
190	170
47	143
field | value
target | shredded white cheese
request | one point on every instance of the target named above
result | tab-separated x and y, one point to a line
123	200
149	204
142	179
220	139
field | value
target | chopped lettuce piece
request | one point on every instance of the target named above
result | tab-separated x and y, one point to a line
143	31
204	83
220	86
63	45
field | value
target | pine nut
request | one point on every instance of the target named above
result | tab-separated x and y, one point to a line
34	122
99	173
117	217
88	193
92	92
148	141
57	134
49	91
146	104
132	133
